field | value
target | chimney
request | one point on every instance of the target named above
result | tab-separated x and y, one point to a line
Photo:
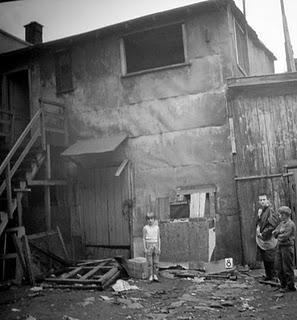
33	32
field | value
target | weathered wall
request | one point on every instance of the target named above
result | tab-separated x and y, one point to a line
260	62
264	120
175	119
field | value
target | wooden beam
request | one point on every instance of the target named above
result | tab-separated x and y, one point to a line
108	275
72	273
51	102
19	250
63	243
51	255
47	190
267	176
121	167
288	45
47	182
41	235
68	281
90	273
28	260
20	208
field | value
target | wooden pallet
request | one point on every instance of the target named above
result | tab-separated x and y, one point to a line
97	274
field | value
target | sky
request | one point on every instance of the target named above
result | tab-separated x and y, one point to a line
62	18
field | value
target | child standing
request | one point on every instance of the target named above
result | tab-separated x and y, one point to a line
285	234
152	245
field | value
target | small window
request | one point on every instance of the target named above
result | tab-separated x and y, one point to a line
195	204
241	49
154	48
63	72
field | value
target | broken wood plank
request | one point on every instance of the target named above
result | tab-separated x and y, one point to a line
63	243
52	255
90	273
272	283
111	279
73	286
47	183
28	260
85	263
40	235
108	275
18	247
72	273
69	281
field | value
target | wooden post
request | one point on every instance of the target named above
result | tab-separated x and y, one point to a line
28	259
42	126
288	46
9	191
63	243
20	208
47	190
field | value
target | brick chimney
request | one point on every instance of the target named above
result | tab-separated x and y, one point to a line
33	32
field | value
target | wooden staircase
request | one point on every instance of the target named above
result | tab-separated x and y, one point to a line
23	161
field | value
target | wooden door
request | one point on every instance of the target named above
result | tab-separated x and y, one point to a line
103	198
18	101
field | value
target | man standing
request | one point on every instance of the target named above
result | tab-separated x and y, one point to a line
285	234
266	223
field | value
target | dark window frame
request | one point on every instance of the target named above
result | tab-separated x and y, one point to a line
185	199
63	71
181	43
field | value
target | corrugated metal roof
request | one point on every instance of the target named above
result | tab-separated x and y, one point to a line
94	146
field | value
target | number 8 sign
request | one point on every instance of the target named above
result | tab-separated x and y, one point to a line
229	263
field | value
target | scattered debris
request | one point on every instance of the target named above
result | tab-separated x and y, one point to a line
69	318
87	301
36	289
122	285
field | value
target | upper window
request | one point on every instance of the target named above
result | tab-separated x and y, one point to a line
63	72
241	48
154	48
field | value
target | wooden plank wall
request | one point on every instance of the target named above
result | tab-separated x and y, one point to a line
184	240
266	137
102	196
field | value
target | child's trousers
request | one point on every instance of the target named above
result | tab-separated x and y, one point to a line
152	258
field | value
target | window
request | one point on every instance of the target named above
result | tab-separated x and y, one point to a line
198	202
241	48
63	72
154	48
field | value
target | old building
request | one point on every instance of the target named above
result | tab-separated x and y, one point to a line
148	128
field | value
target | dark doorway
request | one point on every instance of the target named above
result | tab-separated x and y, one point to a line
18	100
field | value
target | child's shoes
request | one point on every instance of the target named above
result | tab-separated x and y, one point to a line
156	278
151	279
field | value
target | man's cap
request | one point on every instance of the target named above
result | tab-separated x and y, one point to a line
284	209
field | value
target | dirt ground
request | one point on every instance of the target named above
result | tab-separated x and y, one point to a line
178	298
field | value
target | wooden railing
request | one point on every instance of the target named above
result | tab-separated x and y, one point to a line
35	128
37	125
